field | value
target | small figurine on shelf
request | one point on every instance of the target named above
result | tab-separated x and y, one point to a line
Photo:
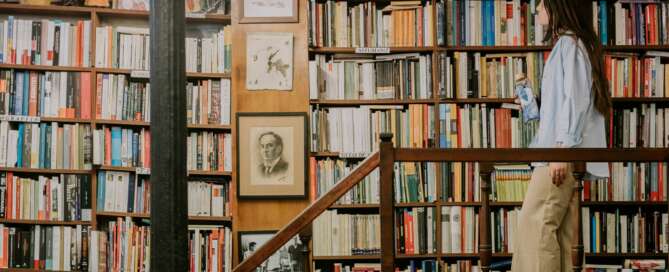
528	102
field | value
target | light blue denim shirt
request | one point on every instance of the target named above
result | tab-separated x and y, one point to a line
567	111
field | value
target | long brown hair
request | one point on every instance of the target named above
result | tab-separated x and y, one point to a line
576	16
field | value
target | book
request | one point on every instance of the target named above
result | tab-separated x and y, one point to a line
125	147
338	234
119	98
209	52
209	151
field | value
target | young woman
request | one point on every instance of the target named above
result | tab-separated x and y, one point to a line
574	101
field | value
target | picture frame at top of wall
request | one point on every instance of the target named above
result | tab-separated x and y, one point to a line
268	11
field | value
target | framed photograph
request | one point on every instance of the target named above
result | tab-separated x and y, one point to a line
288	258
268	11
272	155
269	61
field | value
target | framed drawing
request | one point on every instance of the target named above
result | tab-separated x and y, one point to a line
272	155
269	61
288	258
268	11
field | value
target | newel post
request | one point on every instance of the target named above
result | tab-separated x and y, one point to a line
387	155
577	246
485	248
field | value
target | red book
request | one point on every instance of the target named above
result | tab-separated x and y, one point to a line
147	146
523	24
108	149
312	178
408	233
586	190
32	101
85	96
660	182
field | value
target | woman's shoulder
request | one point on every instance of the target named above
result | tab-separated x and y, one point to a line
570	44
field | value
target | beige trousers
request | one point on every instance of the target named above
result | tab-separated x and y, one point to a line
545	225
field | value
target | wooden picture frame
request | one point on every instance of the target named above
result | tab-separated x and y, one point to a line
289	255
272	155
268	11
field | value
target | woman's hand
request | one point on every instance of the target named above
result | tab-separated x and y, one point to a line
558	172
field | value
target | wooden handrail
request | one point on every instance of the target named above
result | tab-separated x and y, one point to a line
387	156
304	219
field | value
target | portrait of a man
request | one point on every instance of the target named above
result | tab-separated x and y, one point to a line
272	155
272	163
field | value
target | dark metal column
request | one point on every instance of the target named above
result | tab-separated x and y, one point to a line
169	220
387	202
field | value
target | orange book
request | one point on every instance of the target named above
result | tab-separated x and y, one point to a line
147	148
110	33
98	97
107	150
408	233
421	15
32	100
312	178
10	196
85	96
79	42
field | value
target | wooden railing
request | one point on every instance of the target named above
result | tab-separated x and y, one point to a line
388	155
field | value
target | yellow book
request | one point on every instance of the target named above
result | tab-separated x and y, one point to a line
457	181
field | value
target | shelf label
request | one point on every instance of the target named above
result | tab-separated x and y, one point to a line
140	74
372	50
143	171
361	155
20	118
195	15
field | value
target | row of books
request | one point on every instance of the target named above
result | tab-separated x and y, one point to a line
192	6
210	151
490	23
122	47
354	267
483	126
45	42
642	125
460	181
210	249
416	230
415	182
326	173
338	234
631	23
121	245
640	181
370	24
355	130
634	75
477	75
208	102
628	265
509	182
125	147
46	145
206	198
45	94
212	54
620	231
418	266
503	226
119	98
123	192
396	76
459	228
56	248
59	197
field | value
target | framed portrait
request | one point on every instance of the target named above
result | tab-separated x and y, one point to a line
272	155
268	11
288	258
269	61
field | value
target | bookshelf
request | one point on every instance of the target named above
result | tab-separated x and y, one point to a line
102	220
320	100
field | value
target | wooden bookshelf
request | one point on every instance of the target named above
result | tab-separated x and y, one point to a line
331	103
351	50
659	204
465	204
117	168
345	258
209	173
496	49
44	171
45	68
209	127
131	123
626	255
42	222
458	255
210	218
122	214
416	256
355	206
45	10
415	204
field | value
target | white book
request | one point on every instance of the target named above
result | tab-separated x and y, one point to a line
93	253
101	46
57	248
652	123
227	152
217	200
313	79
456	221
67	252
623	233
87	43
446	230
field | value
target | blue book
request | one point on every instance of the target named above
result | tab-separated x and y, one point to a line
116	146
463	29
19	145
26	92
18	101
135	149
593	235
42	145
412	266
603	21
101	190
484	22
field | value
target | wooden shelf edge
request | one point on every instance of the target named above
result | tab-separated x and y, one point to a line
45	67
45	171
122	122
42	222
346	257
208	173
209	127
392	49
359	102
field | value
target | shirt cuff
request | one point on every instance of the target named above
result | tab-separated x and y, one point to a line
568	140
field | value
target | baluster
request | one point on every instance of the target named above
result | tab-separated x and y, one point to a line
485	248
386	212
